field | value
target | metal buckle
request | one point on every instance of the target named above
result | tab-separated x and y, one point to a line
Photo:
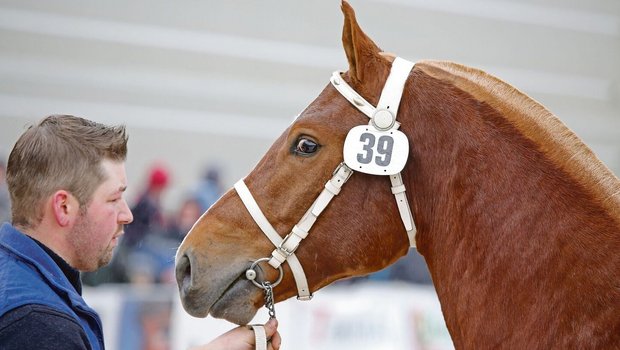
343	165
283	250
305	298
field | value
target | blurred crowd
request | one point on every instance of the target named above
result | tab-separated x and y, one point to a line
146	252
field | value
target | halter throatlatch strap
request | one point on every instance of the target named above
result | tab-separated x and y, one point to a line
398	189
389	101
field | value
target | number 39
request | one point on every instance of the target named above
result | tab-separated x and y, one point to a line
383	147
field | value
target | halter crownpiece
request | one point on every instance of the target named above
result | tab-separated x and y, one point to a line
378	148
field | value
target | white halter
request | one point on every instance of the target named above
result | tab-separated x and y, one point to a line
382	117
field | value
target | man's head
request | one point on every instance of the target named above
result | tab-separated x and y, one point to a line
66	177
60	152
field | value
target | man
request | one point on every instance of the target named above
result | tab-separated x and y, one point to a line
66	178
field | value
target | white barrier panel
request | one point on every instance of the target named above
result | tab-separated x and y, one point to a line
108	303
367	316
362	316
134	318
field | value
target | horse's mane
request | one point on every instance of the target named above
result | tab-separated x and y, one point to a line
558	143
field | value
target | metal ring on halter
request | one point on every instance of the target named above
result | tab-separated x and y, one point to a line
251	274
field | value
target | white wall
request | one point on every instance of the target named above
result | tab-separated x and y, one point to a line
204	81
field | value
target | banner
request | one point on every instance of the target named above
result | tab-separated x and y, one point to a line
362	316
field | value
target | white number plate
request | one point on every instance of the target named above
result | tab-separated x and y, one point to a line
375	152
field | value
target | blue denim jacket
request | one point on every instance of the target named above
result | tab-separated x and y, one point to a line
28	275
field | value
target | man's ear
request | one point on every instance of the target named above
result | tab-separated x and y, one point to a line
65	207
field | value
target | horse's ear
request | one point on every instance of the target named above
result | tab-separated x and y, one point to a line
361	51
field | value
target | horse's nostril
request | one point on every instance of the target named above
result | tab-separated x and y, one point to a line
184	273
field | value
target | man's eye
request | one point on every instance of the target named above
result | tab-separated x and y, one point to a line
306	147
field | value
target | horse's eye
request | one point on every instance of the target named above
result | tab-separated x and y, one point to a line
305	146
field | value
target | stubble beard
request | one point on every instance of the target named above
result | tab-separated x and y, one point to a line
88	258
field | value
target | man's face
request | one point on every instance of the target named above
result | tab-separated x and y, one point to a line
97	229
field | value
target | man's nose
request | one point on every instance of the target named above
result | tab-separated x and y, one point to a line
125	217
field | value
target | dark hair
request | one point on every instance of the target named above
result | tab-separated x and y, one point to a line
60	152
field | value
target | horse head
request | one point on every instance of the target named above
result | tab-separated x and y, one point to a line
515	215
360	232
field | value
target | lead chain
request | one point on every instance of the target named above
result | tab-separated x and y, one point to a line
269	299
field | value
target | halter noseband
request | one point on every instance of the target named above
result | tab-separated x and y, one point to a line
382	120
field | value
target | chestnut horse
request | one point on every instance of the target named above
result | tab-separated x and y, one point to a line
518	220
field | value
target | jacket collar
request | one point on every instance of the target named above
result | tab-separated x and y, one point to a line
26	249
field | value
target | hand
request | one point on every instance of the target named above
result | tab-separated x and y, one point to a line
242	338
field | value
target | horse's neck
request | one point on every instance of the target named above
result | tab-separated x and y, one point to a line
515	248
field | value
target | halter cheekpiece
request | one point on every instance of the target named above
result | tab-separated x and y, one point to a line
378	148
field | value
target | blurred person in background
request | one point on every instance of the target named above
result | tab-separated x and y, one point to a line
66	179
152	259
147	212
133	261
410	268
143	249
178	226
209	189
188	213
5	203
